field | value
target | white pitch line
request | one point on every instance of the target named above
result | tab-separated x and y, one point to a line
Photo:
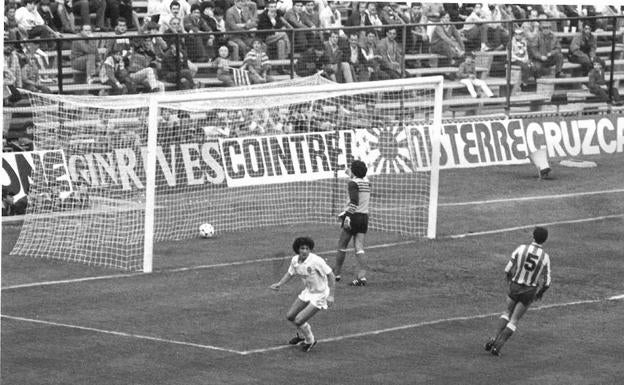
434	322
271	259
507	229
121	334
538	197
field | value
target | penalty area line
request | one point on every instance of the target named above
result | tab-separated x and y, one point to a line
434	322
121	334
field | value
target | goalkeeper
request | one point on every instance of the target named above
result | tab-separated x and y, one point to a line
528	263
355	221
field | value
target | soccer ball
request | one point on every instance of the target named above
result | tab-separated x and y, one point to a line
206	230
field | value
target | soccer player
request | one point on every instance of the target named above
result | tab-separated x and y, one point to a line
528	263
318	293
355	221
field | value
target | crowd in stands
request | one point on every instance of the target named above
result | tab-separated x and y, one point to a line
240	38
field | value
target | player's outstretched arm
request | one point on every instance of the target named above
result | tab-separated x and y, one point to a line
282	281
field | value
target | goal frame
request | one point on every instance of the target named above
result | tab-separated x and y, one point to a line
156	100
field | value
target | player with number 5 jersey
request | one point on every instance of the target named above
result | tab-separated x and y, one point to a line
528	274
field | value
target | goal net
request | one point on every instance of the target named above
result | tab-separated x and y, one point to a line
114	175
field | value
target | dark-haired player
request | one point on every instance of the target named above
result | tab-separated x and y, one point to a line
355	221
528	263
317	294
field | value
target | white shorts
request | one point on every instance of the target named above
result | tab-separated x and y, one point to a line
318	300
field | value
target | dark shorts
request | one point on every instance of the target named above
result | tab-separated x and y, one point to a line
521	293
359	224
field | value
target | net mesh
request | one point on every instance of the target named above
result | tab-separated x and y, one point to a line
237	163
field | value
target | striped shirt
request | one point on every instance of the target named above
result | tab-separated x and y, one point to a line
359	196
528	263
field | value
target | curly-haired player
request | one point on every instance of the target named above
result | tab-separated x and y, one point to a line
317	294
528	263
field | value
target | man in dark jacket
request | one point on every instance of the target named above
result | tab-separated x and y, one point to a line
583	49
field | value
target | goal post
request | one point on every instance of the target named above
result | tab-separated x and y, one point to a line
153	168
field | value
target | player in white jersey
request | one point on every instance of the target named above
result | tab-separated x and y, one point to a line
318	292
355	221
528	264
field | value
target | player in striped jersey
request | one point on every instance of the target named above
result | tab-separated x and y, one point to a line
528	264
355	221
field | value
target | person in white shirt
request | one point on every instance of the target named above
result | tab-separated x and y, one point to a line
31	24
318	292
330	17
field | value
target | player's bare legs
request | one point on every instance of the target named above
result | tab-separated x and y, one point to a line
341	253
360	256
299	314
517	311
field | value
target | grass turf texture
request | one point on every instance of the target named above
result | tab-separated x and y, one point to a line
230	306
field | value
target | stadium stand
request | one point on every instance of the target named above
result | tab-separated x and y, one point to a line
547	91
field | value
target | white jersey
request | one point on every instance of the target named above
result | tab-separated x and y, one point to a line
528	263
313	272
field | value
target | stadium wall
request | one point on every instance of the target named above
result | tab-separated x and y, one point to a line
282	158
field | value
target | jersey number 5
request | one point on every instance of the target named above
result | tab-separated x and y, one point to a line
531	262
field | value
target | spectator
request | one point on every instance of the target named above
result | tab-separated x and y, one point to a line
329	16
238	18
546	52
257	63
223	67
467	74
391	14
11	77
354	64
114	73
174	11
417	37
141	72
373	57
583	49
520	57
358	15
531	28
371	18
176	34
271	20
476	34
121	40
198	45
84	54
293	17
50	17
333	54
497	35
11	28
64	12
84	9
391	54
312	61
447	41
122	8
170	66
597	84
216	22
31	80
32	25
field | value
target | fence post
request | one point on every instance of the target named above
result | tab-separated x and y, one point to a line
612	58
59	65
292	53
178	63
508	72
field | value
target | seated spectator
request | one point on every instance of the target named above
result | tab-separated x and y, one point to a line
115	9
531	28
216	22
197	45
391	14
152	47
84	9
330	17
354	65
257	63
114	74
50	17
121	40
222	63
391	54
84	54
497	35
520	57
174	11
310	17
447	41
583	49
238	18
373	57
598	86
312	61
371	17
175	33
32	25
417	37
293	17
11	77
467	75
357	17
546	52
141	72
475	30
334	54
169	70
31	80
271	20
11	28
65	13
